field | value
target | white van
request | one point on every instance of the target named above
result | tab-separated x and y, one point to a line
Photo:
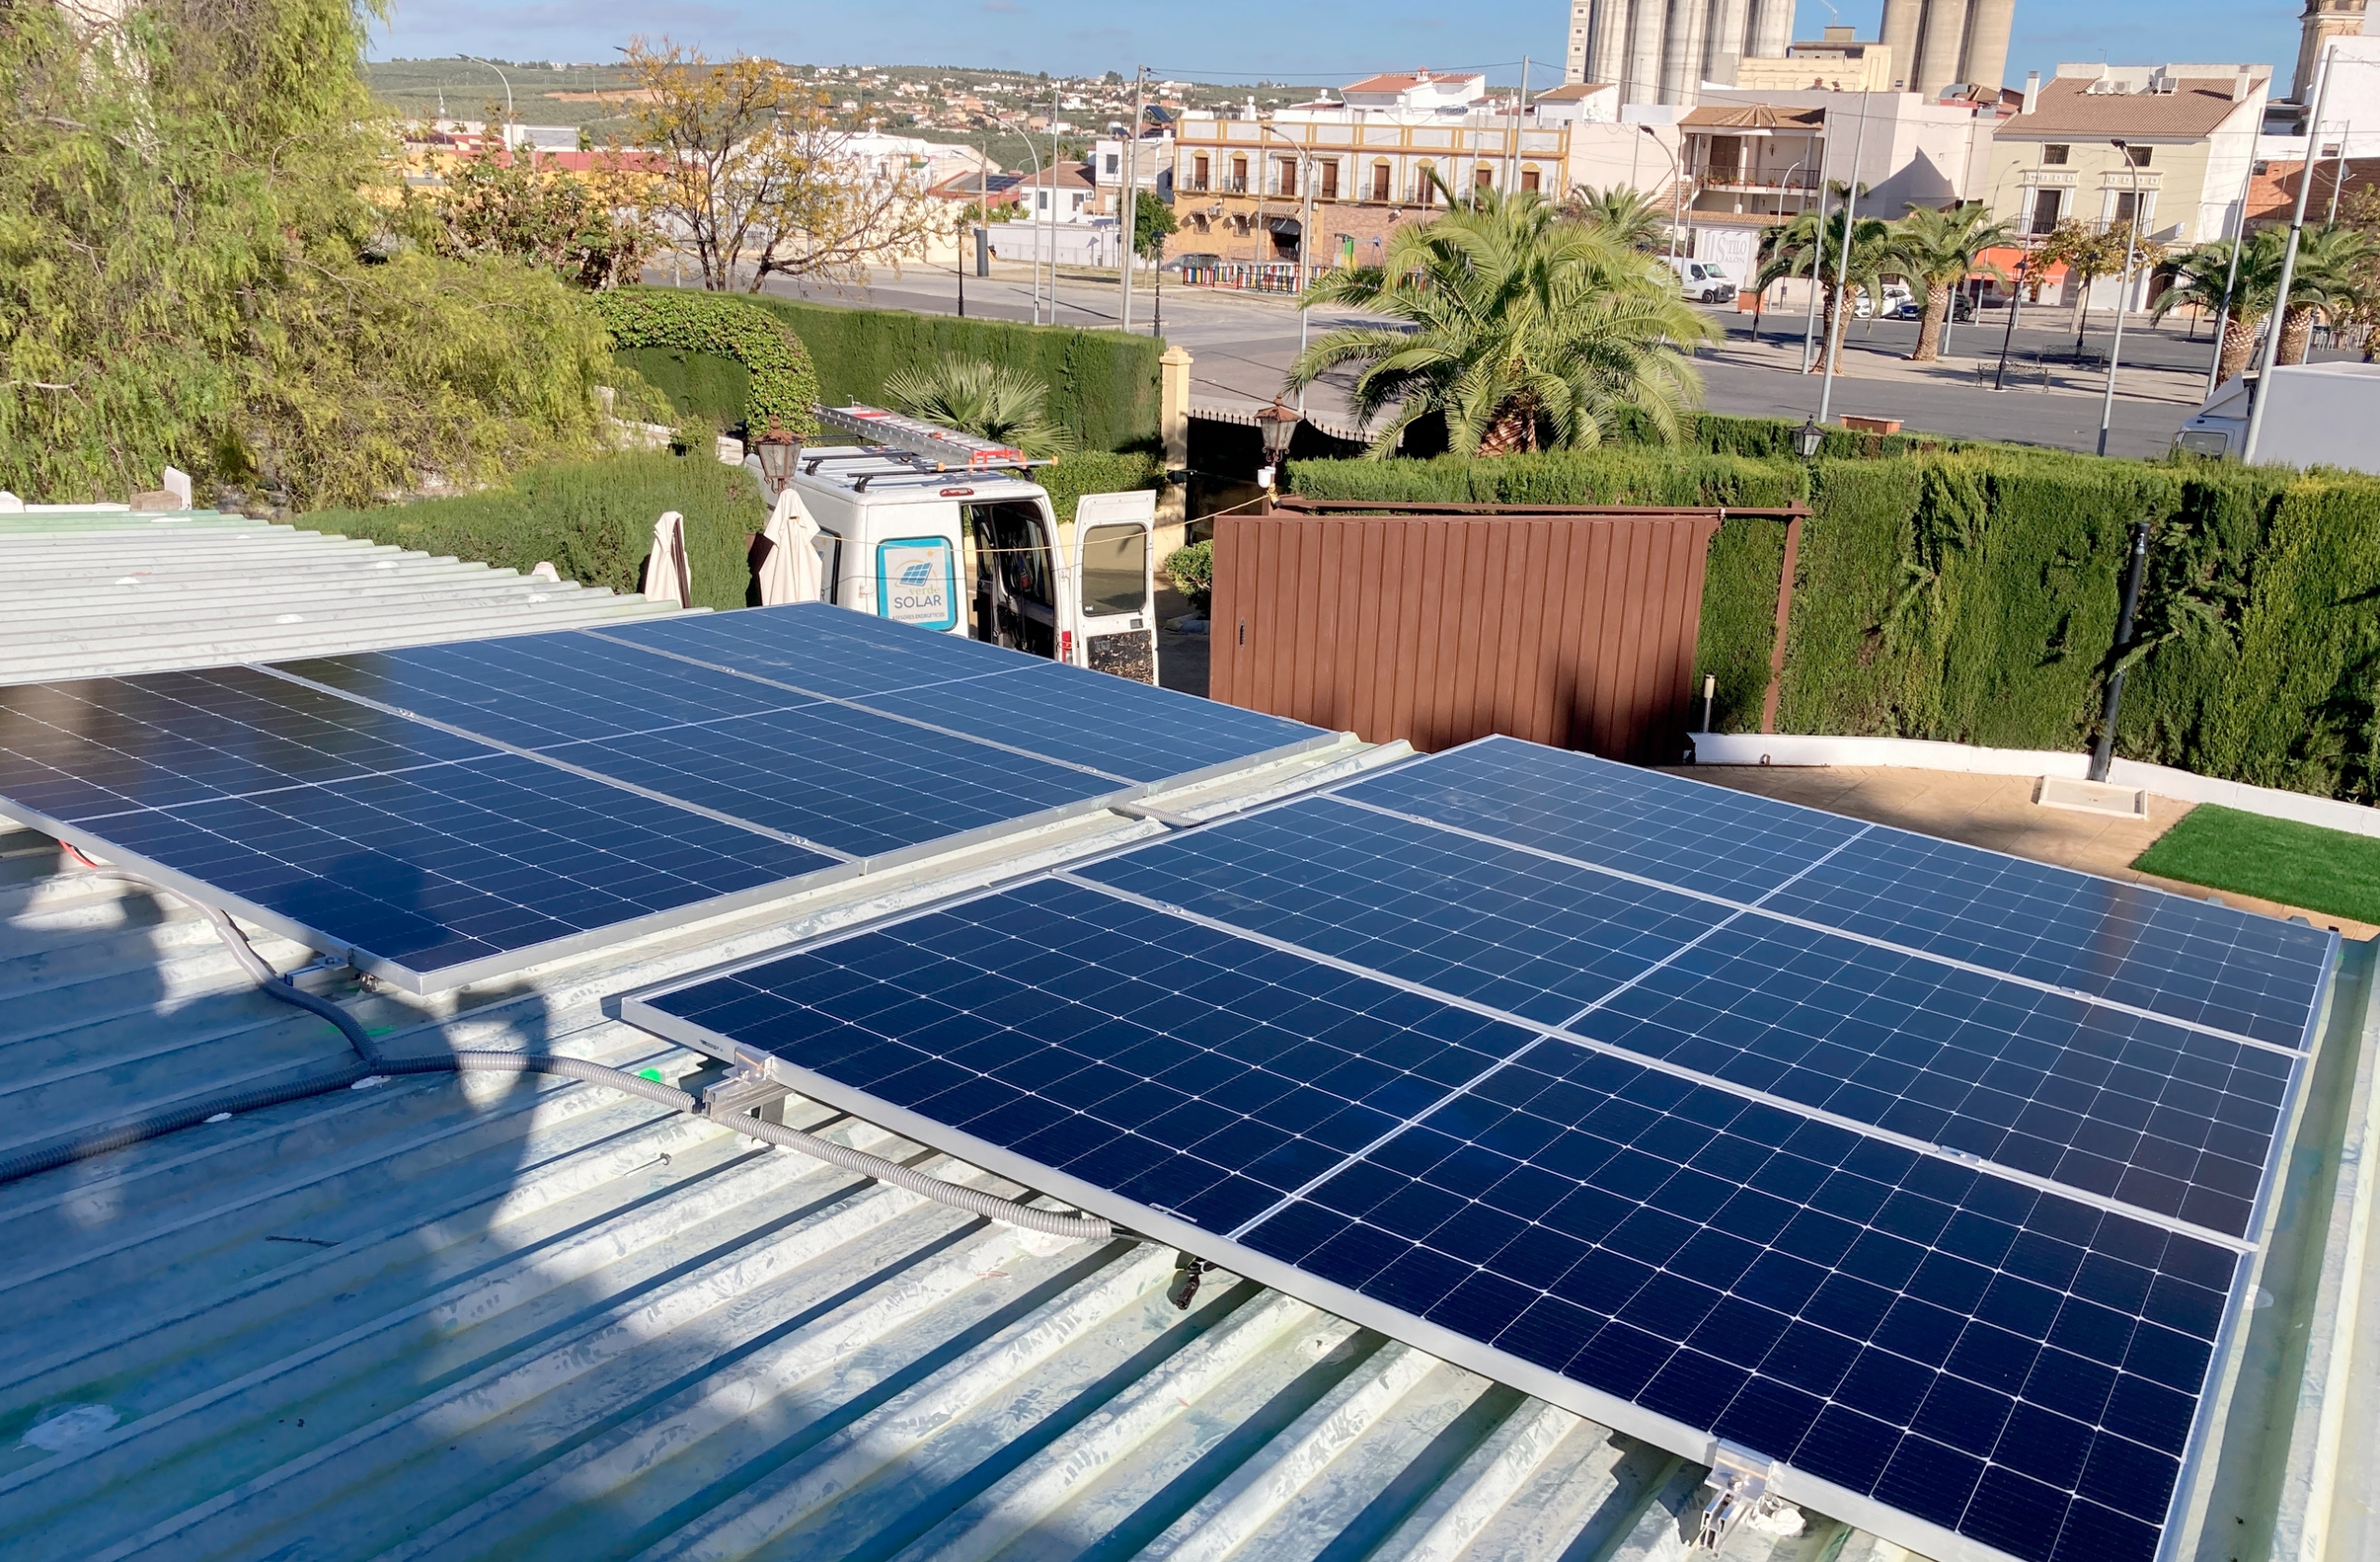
2321	415
943	530
1702	282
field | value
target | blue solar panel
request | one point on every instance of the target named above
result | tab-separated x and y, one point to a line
1509	929
2210	964
1692	835
535	691
1110	724
823	649
84	750
2018	1367
2193	960
851	781
438	869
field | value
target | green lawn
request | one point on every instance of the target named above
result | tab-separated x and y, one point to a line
2277	859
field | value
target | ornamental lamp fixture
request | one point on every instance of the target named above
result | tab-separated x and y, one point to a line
1278	425
1807	441
777	450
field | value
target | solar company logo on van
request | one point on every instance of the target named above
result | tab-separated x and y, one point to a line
915	583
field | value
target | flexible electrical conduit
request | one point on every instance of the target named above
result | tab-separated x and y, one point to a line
373	1063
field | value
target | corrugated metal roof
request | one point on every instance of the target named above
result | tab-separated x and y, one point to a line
99	590
527	1317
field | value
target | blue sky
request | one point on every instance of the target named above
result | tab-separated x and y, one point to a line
1216	40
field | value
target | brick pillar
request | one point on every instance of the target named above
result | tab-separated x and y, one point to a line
1173	427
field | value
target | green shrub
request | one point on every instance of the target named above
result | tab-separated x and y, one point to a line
593	520
1103	384
1969	592
1095	471
1192	570
779	385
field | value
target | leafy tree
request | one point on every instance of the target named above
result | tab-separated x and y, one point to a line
1153	223
191	272
760	173
1936	250
590	229
2087	253
1520	329
1625	215
977	396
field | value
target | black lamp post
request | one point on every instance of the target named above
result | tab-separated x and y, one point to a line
1278	425
777	448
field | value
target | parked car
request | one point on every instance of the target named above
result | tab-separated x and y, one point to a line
1962	308
1702	282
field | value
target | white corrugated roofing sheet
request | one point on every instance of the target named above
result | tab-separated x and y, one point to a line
86	592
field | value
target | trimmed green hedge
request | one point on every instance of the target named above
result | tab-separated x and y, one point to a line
1096	472
1103	384
1969	593
592	519
657	322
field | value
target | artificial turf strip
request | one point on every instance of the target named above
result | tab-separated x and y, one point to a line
2275	859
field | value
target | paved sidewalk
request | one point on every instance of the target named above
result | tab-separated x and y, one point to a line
2151	382
1997	812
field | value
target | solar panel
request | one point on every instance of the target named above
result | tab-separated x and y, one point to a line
1931	1349
448	813
2190	959
1617	1087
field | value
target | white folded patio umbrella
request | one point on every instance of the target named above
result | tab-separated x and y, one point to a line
788	562
667	577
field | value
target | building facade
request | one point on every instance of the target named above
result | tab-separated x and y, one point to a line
1385	152
1661	51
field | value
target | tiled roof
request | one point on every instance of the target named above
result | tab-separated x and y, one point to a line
2066	107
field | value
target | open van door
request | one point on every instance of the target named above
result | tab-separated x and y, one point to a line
1114	613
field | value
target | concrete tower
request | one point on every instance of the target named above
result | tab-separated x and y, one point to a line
1943	43
2323	20
1661	51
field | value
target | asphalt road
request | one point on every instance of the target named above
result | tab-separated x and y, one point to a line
1244	343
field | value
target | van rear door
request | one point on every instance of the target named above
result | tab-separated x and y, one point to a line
1114	585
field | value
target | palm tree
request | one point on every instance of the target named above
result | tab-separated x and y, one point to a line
1807	244
1521	329
1625	215
1936	250
2204	278
977	396
2333	263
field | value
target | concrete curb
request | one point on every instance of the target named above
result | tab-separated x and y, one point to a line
1782	748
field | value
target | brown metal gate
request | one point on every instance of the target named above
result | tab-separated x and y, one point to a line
1574	629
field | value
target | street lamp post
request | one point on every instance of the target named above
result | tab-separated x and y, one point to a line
1127	207
2016	304
508	86
1677	181
1843	273
1759	299
1034	152
1305	233
2123	296
777	449
1817	242
2257	397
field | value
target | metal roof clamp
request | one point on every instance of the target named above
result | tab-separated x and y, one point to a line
1739	1483
746	1091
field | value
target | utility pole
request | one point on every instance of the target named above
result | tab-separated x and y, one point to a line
2123	296
2338	170
1054	202
2231	275
2257	397
1843	275
1129	207
1817	242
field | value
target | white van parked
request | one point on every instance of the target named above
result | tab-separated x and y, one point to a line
2323	414
938	529
1702	282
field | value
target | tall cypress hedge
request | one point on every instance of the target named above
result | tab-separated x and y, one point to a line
1970	593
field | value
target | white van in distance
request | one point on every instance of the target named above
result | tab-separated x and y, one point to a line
1702	282
927	526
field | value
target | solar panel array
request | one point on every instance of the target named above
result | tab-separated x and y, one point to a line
452	811
1668	1102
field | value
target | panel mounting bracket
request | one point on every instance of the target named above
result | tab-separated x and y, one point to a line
746	1091
1739	1483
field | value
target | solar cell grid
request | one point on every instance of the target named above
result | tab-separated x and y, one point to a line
2016	1366
1537	938
1639	821
848	780
438	868
2210	964
535	691
824	649
88	749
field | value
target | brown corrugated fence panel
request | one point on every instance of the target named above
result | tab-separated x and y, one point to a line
1577	630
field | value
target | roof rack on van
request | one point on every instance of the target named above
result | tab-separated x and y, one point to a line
929	446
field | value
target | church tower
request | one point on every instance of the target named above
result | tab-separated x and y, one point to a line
2323	20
